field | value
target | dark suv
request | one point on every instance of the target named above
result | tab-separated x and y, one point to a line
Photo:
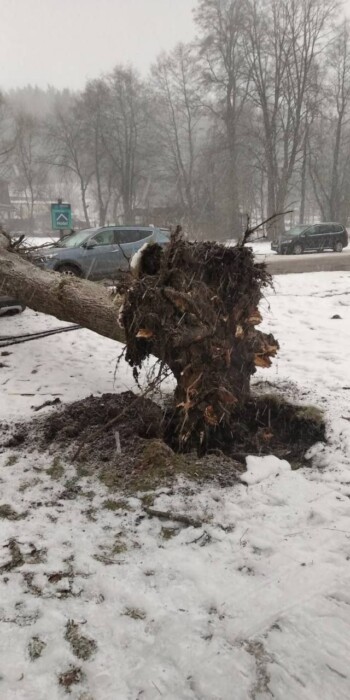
306	238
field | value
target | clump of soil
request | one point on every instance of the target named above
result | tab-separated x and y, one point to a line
144	455
139	418
72	676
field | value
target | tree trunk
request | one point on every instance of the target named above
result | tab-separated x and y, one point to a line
303	182
271	227
83	188
68	298
334	194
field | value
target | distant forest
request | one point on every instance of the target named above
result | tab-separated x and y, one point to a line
250	119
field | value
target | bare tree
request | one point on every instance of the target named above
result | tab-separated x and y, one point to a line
94	105
178	114
221	43
284	37
29	168
8	132
331	133
124	120
68	147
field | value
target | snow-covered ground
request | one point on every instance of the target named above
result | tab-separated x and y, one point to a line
260	246
41	240
253	605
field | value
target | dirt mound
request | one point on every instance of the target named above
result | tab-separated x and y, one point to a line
134	417
120	438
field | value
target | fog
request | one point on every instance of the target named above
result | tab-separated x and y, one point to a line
65	42
203	112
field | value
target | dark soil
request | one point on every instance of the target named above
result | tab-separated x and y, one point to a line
264	425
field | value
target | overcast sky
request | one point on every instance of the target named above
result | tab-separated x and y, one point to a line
65	42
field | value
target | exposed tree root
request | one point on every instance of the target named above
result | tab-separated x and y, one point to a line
195	307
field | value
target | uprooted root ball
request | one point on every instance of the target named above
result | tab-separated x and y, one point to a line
195	307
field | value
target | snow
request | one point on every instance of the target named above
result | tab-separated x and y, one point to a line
259	246
262	247
260	468
136	258
254	604
35	241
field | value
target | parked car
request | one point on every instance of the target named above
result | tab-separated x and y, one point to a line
98	253
9	306
306	238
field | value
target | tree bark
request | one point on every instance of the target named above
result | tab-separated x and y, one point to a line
67	298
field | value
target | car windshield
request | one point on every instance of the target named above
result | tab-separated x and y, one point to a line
73	240
297	230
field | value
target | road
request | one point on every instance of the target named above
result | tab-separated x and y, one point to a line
312	262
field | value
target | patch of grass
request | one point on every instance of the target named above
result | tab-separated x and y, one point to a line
16	557
82	647
305	422
157	465
119	546
169	532
310	413
56	470
84	470
91	514
110	477
36	556
89	494
32	587
135	613
35	648
28	484
11	460
71	483
111	504
262	660
148	499
8	513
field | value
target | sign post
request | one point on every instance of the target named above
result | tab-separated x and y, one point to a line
61	216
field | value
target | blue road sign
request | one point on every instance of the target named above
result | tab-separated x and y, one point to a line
61	216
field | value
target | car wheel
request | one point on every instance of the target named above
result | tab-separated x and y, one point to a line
298	249
338	247
69	270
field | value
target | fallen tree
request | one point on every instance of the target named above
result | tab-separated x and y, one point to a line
194	306
67	298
